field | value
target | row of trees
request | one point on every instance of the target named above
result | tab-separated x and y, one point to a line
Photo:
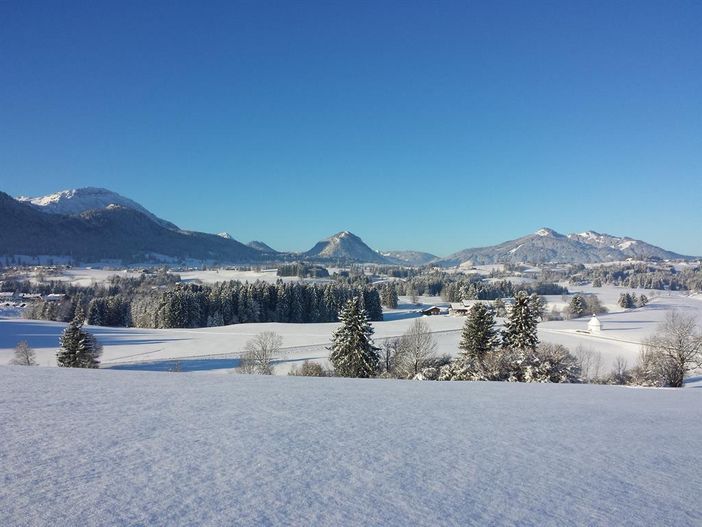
645	276
233	302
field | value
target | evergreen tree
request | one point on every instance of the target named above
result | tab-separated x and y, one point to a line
643	300
520	328
79	349
577	306
352	351
626	301
479	335
388	296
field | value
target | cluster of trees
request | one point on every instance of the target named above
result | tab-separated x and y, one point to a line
645	276
235	302
302	270
478	289
192	305
513	355
630	300
582	305
78	298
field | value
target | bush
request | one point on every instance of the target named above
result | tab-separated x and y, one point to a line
547	363
308	369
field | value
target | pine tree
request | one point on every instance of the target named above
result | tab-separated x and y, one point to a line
479	335
79	349
520	328
388	296
626	301
577	306
352	351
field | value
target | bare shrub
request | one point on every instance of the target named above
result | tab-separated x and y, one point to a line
24	355
674	351
389	354
589	362
308	369
417	345
259	353
620	373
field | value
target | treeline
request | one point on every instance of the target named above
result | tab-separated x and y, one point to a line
484	290
224	303
302	270
645	276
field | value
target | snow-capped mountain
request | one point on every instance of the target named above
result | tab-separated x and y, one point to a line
546	245
112	232
345	246
77	201
225	235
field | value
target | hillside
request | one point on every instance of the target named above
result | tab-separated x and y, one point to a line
417	258
261	246
345	246
111	233
547	245
196	449
76	201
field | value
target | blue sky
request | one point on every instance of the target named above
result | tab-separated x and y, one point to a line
417	125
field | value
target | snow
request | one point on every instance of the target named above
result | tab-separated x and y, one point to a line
76	201
545	232
84	277
219	348
102	447
626	244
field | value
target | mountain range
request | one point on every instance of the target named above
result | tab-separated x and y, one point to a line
92	224
547	245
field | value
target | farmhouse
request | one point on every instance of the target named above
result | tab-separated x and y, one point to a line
55	297
433	310
462	309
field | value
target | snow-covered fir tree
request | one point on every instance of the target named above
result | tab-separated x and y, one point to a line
520	328
388	296
479	335
352	351
627	301
577	306
79	349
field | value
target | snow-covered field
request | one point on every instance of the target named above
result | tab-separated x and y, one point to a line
84	277
218	348
102	447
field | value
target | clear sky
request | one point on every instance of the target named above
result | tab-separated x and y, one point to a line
430	125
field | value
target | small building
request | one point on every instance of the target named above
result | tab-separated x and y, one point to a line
55	297
433	310
30	296
459	309
594	326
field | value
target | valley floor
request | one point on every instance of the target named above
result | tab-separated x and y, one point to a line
218	349
101	447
